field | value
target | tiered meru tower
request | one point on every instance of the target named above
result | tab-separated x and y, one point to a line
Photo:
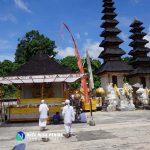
113	69
140	61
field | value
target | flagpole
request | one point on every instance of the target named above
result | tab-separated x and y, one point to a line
91	122
80	65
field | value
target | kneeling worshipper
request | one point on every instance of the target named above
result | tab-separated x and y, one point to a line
56	118
82	117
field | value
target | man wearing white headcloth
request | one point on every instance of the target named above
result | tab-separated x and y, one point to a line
43	110
68	115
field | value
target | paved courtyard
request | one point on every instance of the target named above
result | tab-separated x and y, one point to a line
113	131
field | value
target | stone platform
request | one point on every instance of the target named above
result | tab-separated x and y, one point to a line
113	131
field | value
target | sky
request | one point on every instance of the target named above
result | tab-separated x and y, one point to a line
82	16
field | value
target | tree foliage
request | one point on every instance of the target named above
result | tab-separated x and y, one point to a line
71	62
6	67
95	64
126	59
33	43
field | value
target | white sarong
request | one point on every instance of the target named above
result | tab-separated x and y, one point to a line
42	122
43	109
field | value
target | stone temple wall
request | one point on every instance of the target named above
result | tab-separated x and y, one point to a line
137	79
107	78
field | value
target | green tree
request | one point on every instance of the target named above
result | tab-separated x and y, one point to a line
71	62
127	59
33	43
6	67
95	64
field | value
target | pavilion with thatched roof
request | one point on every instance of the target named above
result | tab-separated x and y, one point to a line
40	78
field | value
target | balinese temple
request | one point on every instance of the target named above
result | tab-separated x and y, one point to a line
40	78
114	69
140	61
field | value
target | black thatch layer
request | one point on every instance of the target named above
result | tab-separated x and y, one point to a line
136	23
109	23
108	9
114	66
41	64
109	15
111	41
140	60
140	70
138	51
111	53
108	4
137	29
137	35
107	1
108	31
138	43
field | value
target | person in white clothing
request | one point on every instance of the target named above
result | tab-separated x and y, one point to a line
43	110
68	115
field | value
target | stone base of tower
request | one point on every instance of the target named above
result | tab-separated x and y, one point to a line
115	78
144	80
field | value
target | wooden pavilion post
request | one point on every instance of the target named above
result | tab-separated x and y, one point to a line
1	102
1	106
42	91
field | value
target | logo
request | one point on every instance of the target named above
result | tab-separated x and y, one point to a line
20	136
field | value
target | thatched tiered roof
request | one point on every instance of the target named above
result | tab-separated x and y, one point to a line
140	61
41	64
111	53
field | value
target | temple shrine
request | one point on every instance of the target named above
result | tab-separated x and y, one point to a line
139	61
114	69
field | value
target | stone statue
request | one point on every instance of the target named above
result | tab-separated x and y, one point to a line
111	98
143	96
123	104
129	94
125	100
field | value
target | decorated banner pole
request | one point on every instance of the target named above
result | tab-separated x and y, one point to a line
79	62
91	81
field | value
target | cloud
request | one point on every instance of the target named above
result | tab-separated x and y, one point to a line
7	57
21	5
6	45
86	33
8	17
93	48
136	1
78	36
68	51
